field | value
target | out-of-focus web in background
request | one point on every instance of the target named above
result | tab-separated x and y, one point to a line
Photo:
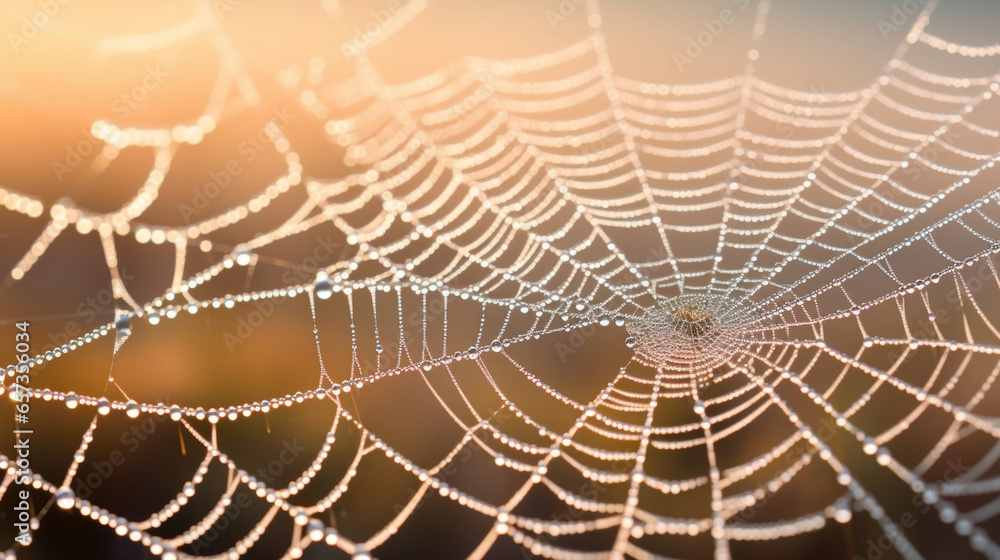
520	215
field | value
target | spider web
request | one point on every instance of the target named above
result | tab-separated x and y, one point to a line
764	277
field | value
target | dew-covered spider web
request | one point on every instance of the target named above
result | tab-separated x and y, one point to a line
776	312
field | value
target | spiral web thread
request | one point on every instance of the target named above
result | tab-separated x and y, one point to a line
525	212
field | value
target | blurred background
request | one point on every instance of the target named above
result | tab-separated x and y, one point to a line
59	78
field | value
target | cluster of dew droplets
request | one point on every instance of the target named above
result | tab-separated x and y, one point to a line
690	334
123	325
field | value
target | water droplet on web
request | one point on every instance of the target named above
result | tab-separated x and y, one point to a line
696	333
132	409
64	498
243	254
323	287
123	324
19	393
842	514
690	333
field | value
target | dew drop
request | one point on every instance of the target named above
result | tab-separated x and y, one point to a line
132	409
123	326
323	287
64	498
123	321
243	254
